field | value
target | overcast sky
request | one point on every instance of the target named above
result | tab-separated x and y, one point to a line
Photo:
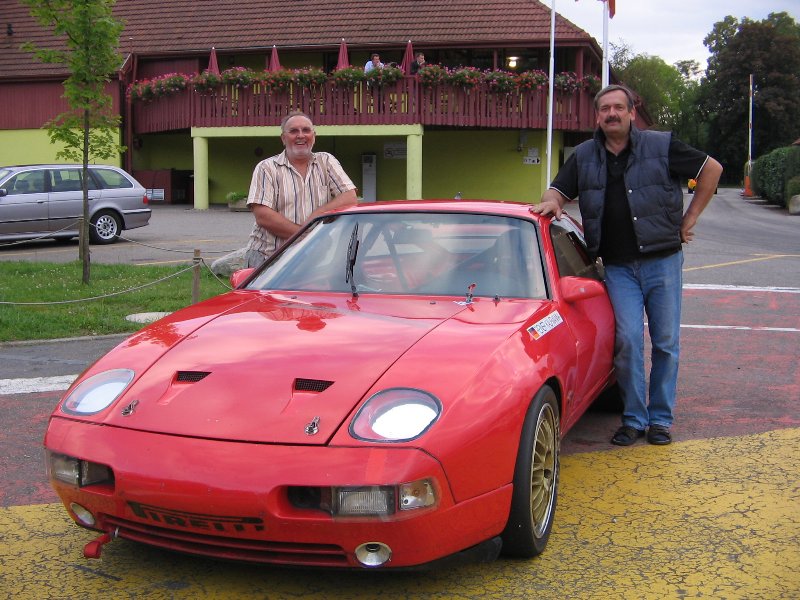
670	29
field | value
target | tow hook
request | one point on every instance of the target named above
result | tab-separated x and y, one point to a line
95	547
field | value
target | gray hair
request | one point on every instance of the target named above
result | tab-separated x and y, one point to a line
294	113
614	88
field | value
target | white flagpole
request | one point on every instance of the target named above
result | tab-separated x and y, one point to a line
550	91
605	43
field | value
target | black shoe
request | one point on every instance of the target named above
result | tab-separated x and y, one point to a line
659	435
626	436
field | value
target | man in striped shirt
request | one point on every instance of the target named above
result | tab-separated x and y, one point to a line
293	187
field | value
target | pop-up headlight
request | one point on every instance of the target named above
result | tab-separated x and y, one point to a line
97	392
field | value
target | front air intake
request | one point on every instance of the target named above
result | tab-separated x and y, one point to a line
311	385
190	376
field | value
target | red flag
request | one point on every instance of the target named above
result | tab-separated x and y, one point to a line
611	7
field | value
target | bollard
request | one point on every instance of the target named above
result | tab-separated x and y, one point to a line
196	277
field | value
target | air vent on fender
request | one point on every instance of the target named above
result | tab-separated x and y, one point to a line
190	376
311	385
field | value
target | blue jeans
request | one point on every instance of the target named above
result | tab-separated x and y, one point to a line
649	287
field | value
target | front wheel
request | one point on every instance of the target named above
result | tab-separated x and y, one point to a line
533	501
105	228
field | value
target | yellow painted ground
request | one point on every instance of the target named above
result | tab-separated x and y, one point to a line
716	519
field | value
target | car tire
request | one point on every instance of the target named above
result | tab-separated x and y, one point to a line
533	501
105	227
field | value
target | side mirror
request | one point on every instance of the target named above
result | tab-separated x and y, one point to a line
3	192
580	288
239	276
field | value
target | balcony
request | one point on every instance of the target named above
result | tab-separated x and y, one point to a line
401	103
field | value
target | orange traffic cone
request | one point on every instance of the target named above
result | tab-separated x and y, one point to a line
748	192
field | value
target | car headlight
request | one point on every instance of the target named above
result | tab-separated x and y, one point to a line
97	392
395	415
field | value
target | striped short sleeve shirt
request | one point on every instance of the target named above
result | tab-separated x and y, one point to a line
278	185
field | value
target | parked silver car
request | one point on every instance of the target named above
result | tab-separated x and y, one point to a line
46	201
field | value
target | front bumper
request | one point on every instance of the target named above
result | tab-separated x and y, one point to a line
229	499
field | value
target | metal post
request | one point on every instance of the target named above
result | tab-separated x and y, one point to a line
196	277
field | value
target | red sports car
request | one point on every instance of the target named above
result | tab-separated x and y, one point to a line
389	389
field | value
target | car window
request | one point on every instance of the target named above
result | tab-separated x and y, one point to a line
412	254
110	179
27	182
68	180
570	250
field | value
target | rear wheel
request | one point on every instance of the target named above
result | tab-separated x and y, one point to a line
533	502
105	228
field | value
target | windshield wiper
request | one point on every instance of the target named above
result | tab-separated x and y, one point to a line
352	255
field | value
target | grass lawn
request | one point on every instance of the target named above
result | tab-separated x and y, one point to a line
52	286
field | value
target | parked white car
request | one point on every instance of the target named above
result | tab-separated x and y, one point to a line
46	201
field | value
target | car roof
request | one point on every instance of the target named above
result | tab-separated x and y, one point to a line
498	207
57	166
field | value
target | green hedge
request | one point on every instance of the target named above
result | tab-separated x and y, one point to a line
769	175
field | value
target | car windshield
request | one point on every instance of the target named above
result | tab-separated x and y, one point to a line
449	254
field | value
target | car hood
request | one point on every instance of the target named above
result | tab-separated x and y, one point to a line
265	369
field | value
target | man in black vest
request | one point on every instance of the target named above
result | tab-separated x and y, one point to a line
628	182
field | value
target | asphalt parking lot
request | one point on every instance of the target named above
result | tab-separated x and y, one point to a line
714	515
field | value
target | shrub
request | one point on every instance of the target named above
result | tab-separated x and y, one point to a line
431	75
348	76
310	77
528	81
769	175
793	187
239	77
501	82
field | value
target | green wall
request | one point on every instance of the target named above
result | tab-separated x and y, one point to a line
479	164
31	146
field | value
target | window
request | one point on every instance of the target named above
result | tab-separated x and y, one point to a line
110	179
28	182
570	250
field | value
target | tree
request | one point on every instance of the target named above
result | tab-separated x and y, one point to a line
659	85
770	50
90	52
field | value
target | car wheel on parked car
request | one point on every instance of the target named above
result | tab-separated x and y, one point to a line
533	503
105	228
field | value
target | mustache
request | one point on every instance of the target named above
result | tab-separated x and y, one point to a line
613	119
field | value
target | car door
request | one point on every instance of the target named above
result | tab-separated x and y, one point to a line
66	197
591	320
23	206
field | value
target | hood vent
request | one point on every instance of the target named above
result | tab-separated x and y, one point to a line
311	385
190	376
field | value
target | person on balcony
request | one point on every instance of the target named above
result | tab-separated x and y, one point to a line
293	187
373	63
630	193
418	63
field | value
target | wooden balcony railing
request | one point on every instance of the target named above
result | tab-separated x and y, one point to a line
404	102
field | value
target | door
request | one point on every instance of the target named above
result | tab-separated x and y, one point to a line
66	198
23	208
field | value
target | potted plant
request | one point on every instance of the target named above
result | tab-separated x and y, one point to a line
239	77
206	82
529	81
466	77
348	77
310	77
431	75
237	201
384	76
501	82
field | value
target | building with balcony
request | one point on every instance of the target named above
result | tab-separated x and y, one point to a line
410	138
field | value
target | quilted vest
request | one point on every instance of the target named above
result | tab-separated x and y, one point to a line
654	196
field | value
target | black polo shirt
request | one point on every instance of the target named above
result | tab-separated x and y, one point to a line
617	237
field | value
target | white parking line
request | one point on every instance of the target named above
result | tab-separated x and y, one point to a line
740	288
36	384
